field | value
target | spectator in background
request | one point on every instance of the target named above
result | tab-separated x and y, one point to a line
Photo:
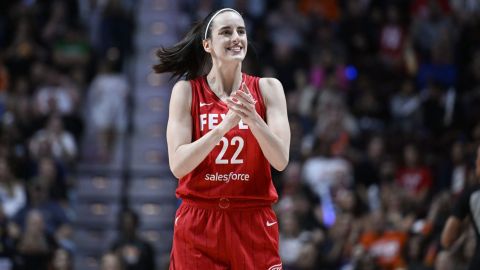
430	26
453	174
384	242
135	252
53	214
286	25
294	243
21	107
116	28
72	50
405	107
332	113
107	97
368	107
324	173
334	250
111	261
57	25
367	169
35	245
414	178
471	86
12	191
7	242
325	66
356	32
50	177
58	94
64	238
62	260
441	114
54	141
392	41
23	50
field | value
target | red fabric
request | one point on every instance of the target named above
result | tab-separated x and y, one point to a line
414	179
387	248
327	9
213	236
421	7
237	157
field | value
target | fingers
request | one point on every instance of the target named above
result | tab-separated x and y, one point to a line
242	102
237	107
245	90
244	98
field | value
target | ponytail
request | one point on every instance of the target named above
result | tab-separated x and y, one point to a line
186	58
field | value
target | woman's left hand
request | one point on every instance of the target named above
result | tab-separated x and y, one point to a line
243	104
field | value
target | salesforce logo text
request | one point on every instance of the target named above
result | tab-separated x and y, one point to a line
227	177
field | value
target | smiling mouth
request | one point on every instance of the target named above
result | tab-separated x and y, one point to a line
235	49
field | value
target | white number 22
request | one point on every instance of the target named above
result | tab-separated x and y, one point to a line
233	160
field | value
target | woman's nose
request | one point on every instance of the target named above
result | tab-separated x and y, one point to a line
235	36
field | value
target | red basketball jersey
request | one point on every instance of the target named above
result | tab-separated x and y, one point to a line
236	168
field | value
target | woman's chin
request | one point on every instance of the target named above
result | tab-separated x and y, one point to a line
236	57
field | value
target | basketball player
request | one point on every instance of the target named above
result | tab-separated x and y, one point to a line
468	204
225	129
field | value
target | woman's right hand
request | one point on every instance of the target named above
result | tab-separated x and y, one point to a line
231	120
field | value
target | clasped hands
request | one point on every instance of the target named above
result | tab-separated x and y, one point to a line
242	104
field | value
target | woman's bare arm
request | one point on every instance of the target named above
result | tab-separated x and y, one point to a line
183	154
273	135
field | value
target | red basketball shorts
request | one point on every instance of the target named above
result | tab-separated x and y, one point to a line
225	235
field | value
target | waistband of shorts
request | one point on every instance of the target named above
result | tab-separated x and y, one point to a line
227	203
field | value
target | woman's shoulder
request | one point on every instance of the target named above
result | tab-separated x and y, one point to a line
269	82
270	86
271	89
182	85
182	94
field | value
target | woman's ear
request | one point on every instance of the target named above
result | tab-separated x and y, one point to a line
206	45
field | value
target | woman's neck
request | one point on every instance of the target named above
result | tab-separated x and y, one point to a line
223	80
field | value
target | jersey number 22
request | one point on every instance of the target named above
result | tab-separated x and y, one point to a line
225	143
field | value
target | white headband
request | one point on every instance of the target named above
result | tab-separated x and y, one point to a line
215	15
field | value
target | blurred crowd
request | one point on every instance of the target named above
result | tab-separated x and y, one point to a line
57	59
383	100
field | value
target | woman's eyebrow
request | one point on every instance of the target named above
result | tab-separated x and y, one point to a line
224	27
228	27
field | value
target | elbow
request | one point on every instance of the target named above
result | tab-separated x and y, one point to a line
281	165
177	171
450	232
445	244
445	241
177	174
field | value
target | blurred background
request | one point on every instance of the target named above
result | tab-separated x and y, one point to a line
384	107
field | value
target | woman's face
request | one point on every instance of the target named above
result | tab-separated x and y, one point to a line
228	39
